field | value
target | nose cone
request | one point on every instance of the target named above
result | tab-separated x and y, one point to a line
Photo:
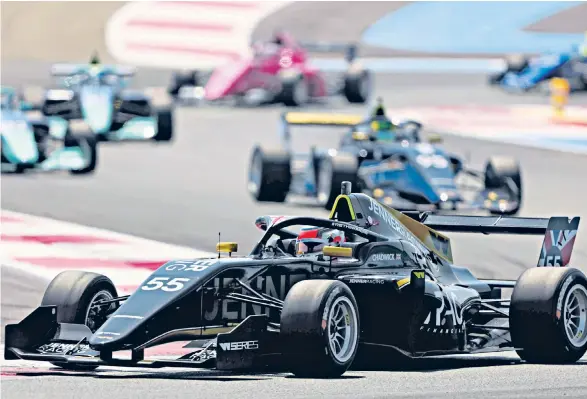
97	104
18	142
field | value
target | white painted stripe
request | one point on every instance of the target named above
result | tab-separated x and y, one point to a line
102	257
243	21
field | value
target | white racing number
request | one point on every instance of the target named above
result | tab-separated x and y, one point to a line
432	161
162	283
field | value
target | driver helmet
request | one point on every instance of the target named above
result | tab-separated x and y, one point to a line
383	129
313	240
95	59
381	125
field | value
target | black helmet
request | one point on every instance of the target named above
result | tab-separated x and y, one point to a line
380	108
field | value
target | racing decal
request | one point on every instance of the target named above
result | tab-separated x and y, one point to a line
167	284
329	301
447	318
366	281
350	226
559	239
201	356
190	265
275	286
559	302
56	347
395	259
239	346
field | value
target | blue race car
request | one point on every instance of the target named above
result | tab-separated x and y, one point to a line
97	95
386	160
39	144
523	74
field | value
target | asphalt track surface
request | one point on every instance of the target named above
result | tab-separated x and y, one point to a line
184	193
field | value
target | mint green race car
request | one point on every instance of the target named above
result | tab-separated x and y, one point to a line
96	96
39	144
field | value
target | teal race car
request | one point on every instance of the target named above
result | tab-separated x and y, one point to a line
40	143
97	95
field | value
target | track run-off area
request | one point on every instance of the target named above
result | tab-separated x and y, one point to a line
186	192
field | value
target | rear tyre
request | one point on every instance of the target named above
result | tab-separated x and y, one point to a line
89	145
320	328
548	315
357	86
332	171
269	174
164	125
74	292
505	172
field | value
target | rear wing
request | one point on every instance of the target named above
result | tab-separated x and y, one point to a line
559	232
64	70
348	49
315	119
320	119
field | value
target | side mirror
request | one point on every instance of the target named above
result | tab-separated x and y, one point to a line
339	252
435	139
226	247
263	222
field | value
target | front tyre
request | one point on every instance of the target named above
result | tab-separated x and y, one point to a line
164	125
295	90
75	294
320	327
89	146
548	315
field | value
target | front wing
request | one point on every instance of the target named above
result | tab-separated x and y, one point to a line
39	337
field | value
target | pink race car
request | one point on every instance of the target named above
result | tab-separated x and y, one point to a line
278	72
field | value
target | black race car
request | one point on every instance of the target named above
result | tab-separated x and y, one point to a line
312	301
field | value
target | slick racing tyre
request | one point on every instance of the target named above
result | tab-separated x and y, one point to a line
548	315
269	174
514	63
357	85
320	328
295	90
74	293
504	172
332	171
164	125
89	145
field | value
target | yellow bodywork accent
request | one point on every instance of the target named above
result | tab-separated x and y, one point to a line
403	281
307	118
420	274
432	239
339	252
227	247
344	197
